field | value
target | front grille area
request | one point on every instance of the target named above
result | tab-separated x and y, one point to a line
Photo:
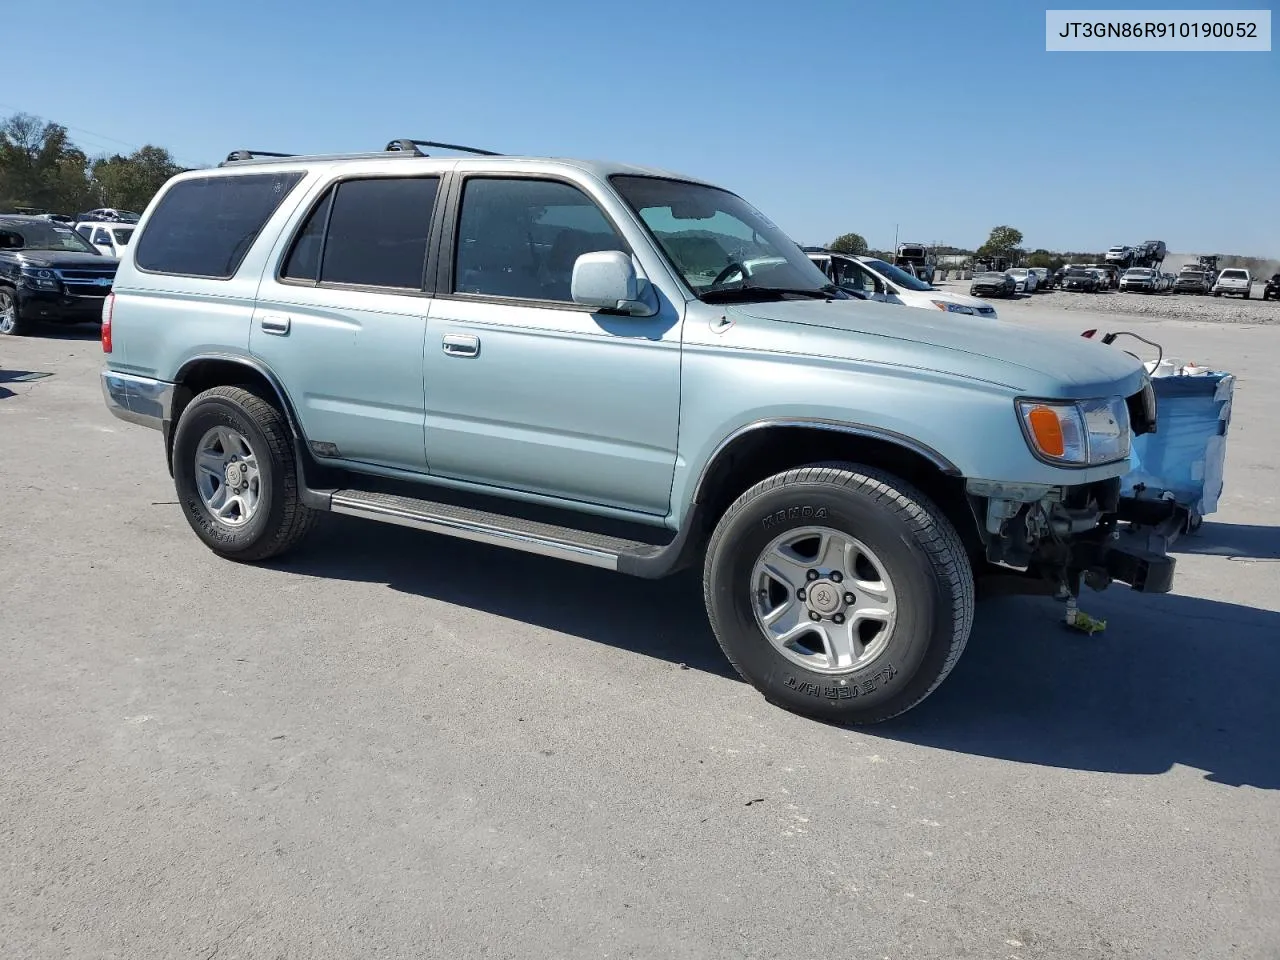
87	282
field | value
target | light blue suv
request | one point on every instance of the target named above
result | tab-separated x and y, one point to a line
630	369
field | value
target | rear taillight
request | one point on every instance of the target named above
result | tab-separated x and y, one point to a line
107	307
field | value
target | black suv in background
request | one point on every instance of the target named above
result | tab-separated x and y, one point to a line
49	272
1272	290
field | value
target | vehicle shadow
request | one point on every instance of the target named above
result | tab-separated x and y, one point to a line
664	619
68	331
17	376
1234	540
1173	680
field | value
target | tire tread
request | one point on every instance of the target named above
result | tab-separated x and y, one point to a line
296	519
933	530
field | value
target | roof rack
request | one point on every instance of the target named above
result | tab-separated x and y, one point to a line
411	146
236	155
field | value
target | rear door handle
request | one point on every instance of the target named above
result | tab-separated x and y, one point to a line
460	345
274	323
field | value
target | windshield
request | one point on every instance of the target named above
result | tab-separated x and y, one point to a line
1077	272
896	275
1138	272
1233	274
718	241
42	235
122	235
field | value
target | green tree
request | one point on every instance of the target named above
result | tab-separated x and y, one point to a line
1003	242
129	183
39	166
851	243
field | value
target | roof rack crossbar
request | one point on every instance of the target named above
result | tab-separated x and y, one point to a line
411	146
235	155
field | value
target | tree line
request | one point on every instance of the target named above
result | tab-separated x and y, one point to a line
1004	241
43	171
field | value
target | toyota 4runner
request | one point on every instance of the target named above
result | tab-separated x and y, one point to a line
630	369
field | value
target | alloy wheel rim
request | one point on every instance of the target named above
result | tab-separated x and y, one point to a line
227	476
824	600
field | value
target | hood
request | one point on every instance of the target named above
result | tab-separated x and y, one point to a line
62	259
1034	362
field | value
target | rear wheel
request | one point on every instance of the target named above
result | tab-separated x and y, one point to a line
236	475
839	591
11	323
1245	295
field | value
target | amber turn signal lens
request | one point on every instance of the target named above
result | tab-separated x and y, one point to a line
1046	428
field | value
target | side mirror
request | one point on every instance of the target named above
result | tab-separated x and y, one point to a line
607	280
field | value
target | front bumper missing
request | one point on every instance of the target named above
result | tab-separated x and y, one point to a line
1047	540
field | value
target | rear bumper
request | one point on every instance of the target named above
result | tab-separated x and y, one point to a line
139	400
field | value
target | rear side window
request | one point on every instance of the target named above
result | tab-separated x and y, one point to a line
370	233
204	227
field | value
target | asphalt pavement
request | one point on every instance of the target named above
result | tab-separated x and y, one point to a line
391	744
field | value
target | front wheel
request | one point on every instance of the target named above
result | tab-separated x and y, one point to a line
839	591
237	477
11	322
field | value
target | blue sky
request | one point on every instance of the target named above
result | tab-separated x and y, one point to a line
945	118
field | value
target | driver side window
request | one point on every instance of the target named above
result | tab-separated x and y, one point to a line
521	237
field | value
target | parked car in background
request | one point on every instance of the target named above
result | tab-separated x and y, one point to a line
1046	278
1235	282
992	284
874	279
1192	279
109	237
1141	280
108	215
1080	280
598	347
1272	290
1025	281
49	272
1104	279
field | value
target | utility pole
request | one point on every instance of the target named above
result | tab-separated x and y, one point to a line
895	239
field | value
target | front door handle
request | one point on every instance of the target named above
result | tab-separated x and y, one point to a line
460	345
274	323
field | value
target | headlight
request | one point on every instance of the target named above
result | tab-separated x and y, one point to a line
1082	433
951	307
39	278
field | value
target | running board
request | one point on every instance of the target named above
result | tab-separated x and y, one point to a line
545	539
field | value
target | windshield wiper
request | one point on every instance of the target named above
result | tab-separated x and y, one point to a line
747	294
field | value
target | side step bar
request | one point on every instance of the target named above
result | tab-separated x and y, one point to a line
564	543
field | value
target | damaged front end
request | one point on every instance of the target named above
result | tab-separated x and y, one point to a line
1048	539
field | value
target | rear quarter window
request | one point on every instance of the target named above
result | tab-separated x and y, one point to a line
204	227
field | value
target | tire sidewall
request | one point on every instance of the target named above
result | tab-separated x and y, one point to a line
199	417
924	609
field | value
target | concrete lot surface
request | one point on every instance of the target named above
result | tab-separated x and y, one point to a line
391	744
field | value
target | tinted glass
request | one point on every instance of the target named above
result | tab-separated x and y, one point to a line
204	227
378	232
303	262
122	235
521	238
898	276
42	235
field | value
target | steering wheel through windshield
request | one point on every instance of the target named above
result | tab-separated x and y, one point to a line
732	267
